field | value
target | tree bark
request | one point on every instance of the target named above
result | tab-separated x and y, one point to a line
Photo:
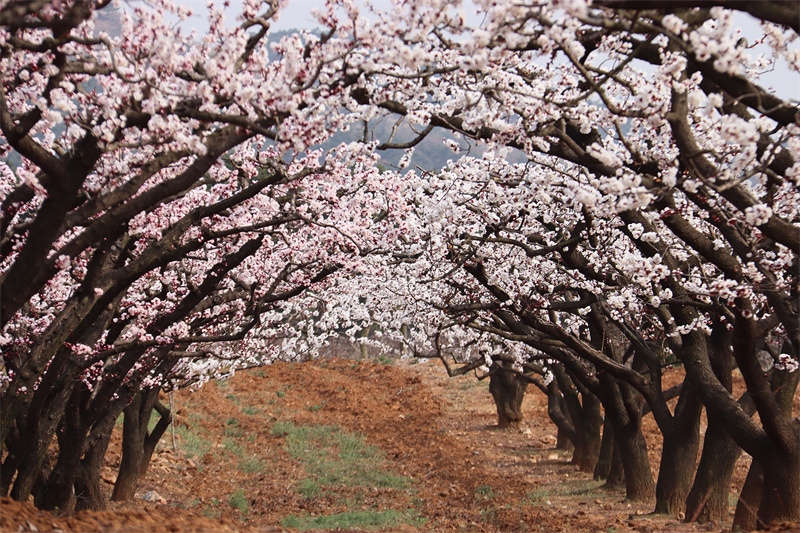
586	417
780	496
708	497
626	420
559	415
88	491
603	466
679	453
563	442
59	491
746	516
137	444
616	474
508	391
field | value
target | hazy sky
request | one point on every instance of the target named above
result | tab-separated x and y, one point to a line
297	14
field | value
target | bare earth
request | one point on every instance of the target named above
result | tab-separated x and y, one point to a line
439	431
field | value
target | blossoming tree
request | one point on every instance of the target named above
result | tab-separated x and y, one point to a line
166	222
656	218
167	218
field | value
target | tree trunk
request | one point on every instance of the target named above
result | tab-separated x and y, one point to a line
36	433
639	485
603	466
137	444
88	492
621	406
746	515
592	439
586	417
59	491
616	474
708	498
559	415
563	442
679	453
780	496
508	391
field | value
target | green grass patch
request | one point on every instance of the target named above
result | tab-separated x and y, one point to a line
316	407
232	429
250	410
247	464
485	492
536	496
193	442
237	500
251	465
351	520
334	457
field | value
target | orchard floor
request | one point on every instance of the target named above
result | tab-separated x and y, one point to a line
232	469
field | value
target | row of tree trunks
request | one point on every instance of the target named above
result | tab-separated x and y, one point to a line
73	482
138	445
702	493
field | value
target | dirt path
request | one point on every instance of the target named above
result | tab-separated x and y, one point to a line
443	466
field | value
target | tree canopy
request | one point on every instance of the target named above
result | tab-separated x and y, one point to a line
633	205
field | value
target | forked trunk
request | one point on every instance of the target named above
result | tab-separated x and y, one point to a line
616	474
746	516
708	498
679	454
88	492
780	496
626	420
137	444
604	460
508	391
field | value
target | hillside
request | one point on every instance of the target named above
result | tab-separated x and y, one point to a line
356	445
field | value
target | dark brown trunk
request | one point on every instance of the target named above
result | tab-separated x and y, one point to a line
563	442
591	429
152	438
559	414
586	418
679	454
29	468
36	434
137	445
59	491
625	414
639	485
508	391
708	498
780	496
88	491
746	515
130	464
603	466
40	485
616	475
